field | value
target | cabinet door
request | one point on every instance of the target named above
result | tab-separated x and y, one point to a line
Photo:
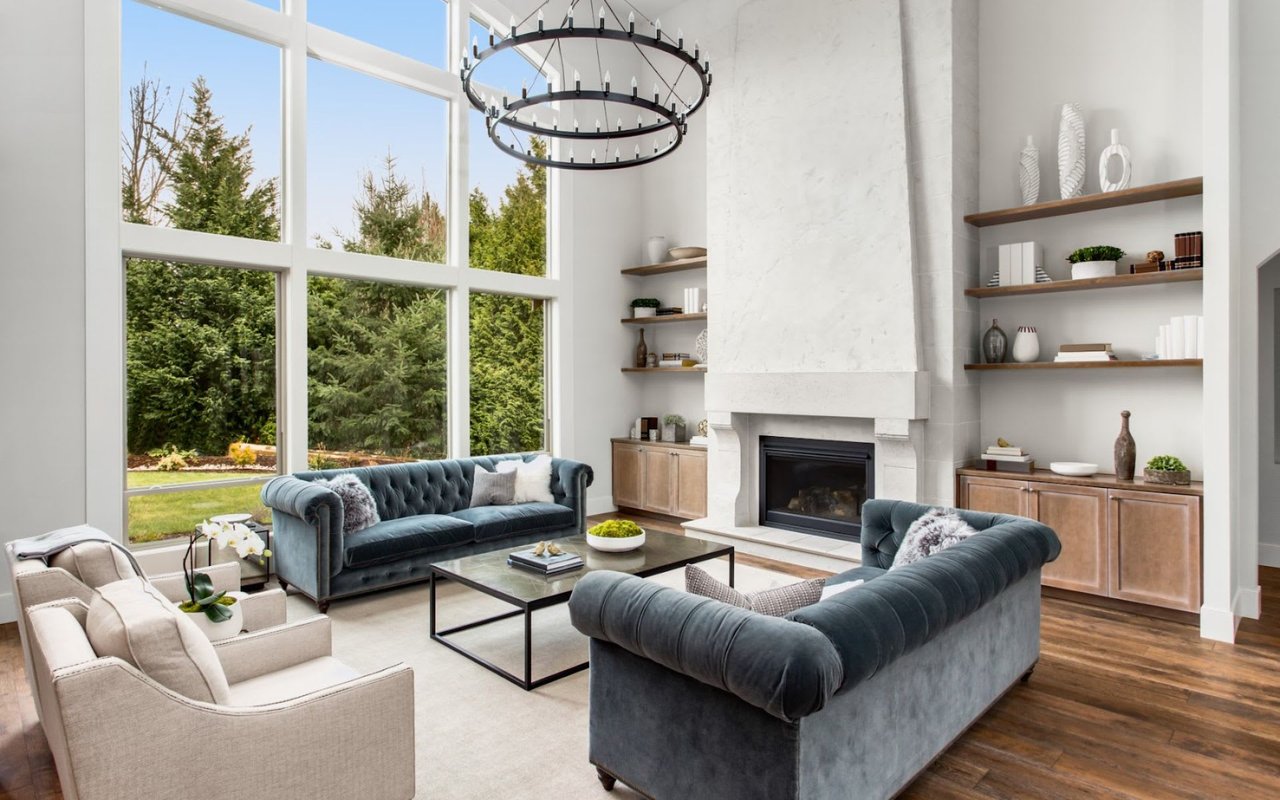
1078	514
659	474
691	484
994	495
1155	548
628	472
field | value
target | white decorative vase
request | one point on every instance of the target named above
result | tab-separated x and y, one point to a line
1026	345
1071	151
1083	270
1029	172
615	544
217	631
657	249
1126	165
637	313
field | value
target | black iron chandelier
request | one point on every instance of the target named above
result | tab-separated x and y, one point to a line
662	114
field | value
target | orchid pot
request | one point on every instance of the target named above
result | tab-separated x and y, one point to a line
217	614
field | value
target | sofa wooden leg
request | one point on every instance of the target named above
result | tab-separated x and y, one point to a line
284	587
323	606
606	780
1026	676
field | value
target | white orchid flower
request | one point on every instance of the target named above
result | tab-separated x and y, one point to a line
250	545
208	530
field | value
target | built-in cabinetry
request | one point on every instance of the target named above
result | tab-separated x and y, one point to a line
1127	540
660	477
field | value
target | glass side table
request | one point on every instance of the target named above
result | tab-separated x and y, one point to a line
252	574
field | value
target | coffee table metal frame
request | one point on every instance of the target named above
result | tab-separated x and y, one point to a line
526	608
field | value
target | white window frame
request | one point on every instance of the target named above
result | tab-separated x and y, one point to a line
109	241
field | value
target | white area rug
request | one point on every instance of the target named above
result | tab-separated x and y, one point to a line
479	736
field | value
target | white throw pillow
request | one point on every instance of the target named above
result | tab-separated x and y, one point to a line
533	479
834	589
933	532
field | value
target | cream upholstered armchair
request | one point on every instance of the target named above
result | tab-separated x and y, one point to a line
129	717
77	571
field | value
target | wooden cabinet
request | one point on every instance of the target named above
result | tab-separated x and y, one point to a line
1121	539
662	478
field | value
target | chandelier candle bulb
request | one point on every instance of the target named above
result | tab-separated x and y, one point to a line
575	125
680	38
597	126
601	17
542	21
657	29
493	36
637	151
524	89
593	156
639	119
619	125
570	155
608	79
631	23
617	154
655	93
570	15
635	88
512	26
475	46
577	81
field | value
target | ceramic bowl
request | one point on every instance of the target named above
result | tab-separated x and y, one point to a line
1084	270
1076	469
615	544
687	252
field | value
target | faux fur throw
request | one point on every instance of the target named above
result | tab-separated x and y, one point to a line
777	602
359	510
933	532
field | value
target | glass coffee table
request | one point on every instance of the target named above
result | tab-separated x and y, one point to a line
529	591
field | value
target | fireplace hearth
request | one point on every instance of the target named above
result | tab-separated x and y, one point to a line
815	486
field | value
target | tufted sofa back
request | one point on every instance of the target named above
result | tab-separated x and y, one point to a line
885	523
428	487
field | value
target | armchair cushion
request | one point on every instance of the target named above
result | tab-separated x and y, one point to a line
397	539
496	522
290	682
94	563
133	621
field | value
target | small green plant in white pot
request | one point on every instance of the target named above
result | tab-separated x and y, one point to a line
615	536
673	428
1168	470
217	614
644	307
1098	261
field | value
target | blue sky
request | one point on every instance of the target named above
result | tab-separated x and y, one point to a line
353	120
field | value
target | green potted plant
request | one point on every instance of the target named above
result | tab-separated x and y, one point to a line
1098	261
1168	470
217	614
673	428
615	536
644	307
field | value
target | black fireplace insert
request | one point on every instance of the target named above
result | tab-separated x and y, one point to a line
815	486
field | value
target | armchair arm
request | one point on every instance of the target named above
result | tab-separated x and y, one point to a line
786	669
226	578
274	649
264	609
355	739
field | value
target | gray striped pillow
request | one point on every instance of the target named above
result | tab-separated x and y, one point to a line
777	602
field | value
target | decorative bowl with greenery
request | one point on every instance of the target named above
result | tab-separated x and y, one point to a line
1168	470
218	614
673	429
645	307
1098	261
615	536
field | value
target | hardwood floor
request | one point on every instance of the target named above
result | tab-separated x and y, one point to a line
1121	706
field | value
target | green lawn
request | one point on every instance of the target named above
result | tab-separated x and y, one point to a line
161	516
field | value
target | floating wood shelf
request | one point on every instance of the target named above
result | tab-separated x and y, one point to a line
1090	202
701	315
679	265
1164	362
665	369
1117	281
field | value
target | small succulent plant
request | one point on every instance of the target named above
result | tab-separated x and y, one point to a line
616	529
673	419
1166	464
646	302
1102	252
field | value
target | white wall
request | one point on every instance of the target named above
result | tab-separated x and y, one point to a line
42	394
1155	101
1268	446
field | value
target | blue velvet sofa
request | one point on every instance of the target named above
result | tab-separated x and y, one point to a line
425	514
848	698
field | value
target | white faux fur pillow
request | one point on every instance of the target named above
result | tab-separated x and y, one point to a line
533	479
933	532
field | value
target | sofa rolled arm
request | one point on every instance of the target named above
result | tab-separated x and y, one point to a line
574	478
785	669
302	499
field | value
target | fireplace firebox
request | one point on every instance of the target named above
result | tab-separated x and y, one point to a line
815	486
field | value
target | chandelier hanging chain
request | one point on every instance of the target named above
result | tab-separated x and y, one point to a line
670	112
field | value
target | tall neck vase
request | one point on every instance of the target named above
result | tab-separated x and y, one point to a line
1029	172
642	351
1126	452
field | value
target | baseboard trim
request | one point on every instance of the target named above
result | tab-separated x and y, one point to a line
8	608
1248	602
1218	624
1269	554
600	505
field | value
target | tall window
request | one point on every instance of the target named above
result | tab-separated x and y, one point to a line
363	217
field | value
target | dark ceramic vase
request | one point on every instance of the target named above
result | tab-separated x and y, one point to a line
1126	450
994	344
642	351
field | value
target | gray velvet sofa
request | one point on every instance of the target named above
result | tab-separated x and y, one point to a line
425	514
848	698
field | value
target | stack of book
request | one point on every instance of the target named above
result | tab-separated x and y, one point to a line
1088	351
1008	459
545	564
677	360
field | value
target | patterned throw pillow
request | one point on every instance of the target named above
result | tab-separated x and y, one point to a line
933	532
774	602
492	488
533	479
359	510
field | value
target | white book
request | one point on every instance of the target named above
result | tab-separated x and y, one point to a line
1006	273
1177	342
1162	342
1200	337
1031	259
1015	264
1010	459
695	295
1191	336
684	304
1097	356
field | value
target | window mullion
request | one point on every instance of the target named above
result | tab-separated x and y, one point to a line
292	331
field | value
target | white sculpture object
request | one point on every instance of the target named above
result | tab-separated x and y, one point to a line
1071	152
1029	172
1126	165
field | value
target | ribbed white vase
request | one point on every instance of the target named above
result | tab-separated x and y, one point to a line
1029	172
1071	151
